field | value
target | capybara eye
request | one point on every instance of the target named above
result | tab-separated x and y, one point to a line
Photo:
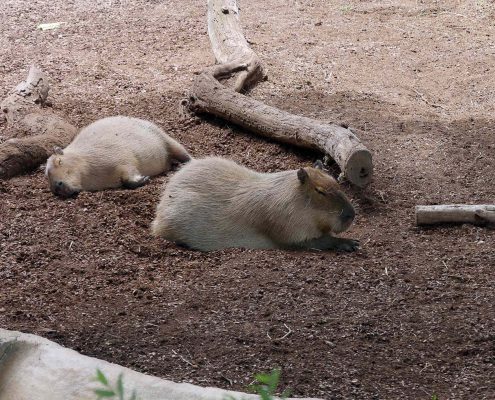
318	190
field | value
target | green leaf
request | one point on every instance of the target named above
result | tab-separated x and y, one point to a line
274	379
265	394
271	380
120	387
265	379
100	377
104	393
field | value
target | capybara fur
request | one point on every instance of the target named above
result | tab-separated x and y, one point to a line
110	153
214	203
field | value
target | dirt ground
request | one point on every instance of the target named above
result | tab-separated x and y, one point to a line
410	315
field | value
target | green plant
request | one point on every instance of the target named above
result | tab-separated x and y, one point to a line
267	385
108	392
434	396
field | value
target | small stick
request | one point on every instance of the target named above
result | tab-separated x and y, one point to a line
183	359
456	213
287	333
229	381
423	97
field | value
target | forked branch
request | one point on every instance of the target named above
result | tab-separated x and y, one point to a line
235	58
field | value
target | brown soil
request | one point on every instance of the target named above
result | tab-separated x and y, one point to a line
410	314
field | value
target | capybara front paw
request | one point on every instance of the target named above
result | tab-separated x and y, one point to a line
137	182
144	180
348	245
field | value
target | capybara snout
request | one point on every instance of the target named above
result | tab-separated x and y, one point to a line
325	194
347	212
347	216
61	189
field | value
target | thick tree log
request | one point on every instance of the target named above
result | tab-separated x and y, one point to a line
34	129
456	213
234	56
340	143
229	45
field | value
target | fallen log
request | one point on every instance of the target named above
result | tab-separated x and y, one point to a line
236	59
32	127
456	213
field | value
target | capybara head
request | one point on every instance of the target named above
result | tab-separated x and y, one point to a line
332	208
63	175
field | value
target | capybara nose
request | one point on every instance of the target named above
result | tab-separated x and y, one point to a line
59	188
348	214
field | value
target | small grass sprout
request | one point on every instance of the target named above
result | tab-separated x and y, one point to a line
107	391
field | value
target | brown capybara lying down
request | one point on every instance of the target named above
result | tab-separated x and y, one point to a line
110	153
214	203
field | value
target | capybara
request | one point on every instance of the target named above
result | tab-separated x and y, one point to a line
214	203
110	153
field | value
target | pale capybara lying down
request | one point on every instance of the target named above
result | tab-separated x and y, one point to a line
110	153
214	203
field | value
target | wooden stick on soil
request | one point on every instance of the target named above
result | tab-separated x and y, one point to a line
236	58
456	213
34	129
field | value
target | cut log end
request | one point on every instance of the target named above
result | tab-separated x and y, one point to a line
359	168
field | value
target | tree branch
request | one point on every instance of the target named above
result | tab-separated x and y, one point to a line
456	213
34	129
235	57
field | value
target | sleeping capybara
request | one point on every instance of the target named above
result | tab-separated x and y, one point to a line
214	203
110	153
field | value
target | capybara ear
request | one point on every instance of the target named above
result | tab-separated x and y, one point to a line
318	164
302	175
58	150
